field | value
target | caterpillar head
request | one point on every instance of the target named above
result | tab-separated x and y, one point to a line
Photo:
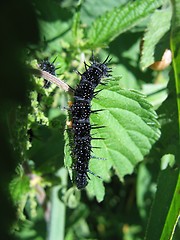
81	180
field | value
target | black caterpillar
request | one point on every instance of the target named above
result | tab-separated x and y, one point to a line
49	67
80	111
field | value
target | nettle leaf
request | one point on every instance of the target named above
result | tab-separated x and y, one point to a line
19	186
159	24
92	9
19	189
120	19
131	128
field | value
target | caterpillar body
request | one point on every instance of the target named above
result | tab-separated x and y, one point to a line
80	112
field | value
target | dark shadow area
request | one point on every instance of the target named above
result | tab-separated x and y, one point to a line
51	11
47	149
169	140
19	28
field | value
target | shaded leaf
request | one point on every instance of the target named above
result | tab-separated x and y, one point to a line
143	188
19	190
20	186
165	207
54	23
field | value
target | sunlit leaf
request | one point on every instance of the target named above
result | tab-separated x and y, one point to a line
130	131
120	19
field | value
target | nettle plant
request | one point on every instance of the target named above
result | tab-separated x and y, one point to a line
131	126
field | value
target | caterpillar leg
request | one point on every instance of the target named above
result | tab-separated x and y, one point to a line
89	171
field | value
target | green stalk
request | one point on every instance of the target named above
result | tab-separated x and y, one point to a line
56	226
175	47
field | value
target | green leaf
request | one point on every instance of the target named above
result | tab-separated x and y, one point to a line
96	187
76	22
54	22
92	9
159	24
19	187
130	130
52	159
119	20
165	210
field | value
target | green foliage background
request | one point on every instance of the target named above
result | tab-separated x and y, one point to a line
138	195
